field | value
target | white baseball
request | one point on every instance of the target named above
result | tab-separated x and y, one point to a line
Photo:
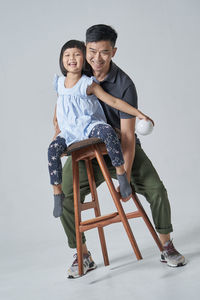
144	127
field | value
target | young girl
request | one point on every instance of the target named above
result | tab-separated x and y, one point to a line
79	116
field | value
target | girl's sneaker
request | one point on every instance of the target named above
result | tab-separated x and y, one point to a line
88	265
171	256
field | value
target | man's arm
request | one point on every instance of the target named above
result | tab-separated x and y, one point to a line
128	143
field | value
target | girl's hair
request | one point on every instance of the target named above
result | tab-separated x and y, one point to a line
79	45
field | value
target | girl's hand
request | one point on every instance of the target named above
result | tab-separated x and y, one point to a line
54	137
56	134
143	116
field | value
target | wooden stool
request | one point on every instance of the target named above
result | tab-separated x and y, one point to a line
87	150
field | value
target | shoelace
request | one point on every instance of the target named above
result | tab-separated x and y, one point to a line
75	262
171	250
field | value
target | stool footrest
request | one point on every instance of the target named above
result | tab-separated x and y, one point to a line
103	221
98	219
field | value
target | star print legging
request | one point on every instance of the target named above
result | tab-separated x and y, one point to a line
103	131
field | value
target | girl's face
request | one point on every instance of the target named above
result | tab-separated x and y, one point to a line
73	60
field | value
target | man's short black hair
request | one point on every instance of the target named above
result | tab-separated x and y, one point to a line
74	44
101	32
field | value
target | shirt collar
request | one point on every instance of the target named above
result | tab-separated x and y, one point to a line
110	77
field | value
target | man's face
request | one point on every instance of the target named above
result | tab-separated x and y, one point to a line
99	55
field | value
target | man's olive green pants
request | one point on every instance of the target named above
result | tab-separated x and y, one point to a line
144	178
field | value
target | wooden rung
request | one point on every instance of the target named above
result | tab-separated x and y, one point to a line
103	221
99	219
87	205
135	214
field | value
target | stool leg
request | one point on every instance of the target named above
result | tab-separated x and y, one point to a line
146	220
117	202
93	190
76	191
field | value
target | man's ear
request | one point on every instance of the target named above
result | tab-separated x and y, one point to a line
114	51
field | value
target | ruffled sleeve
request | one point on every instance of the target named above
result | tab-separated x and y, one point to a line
55	82
94	79
86	81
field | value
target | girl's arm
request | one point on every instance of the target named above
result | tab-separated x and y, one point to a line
55	123
54	116
115	102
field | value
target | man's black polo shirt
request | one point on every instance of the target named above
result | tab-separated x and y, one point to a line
118	84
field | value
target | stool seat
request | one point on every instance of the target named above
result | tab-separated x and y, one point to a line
82	144
87	150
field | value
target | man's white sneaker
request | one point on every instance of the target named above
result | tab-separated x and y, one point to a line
88	265
171	256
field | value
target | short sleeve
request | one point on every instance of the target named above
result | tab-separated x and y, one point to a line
86	81
55	82
94	79
130	97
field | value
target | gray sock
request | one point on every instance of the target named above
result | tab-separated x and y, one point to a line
58	199
124	185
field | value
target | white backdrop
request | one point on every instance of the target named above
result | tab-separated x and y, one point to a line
158	46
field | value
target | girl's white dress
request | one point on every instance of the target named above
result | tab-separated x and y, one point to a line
77	113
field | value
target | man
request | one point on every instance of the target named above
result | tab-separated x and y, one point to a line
100	49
